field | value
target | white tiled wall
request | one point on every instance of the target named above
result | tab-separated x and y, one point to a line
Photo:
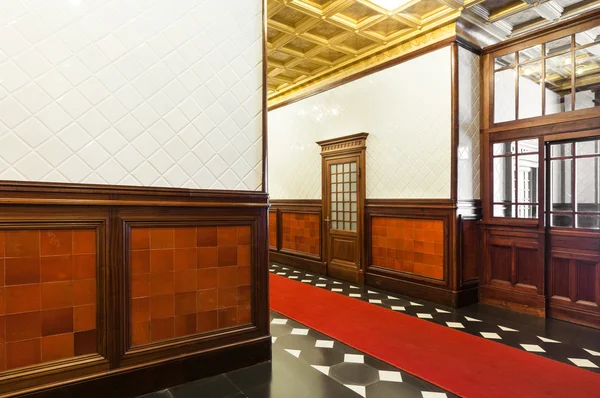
405	109
132	92
469	153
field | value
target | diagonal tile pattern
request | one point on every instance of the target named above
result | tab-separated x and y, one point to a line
151	93
583	353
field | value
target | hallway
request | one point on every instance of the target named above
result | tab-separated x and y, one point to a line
303	357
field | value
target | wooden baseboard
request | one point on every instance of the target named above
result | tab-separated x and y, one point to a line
304	263
587	318
531	304
435	294
153	377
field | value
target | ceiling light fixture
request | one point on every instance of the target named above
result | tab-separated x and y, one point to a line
389	5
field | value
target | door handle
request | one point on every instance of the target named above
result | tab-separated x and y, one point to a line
328	221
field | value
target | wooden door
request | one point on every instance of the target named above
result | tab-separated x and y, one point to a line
343	206
573	230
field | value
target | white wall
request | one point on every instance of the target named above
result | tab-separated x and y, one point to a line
405	109
132	92
469	152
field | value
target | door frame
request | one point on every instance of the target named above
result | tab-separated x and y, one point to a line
335	148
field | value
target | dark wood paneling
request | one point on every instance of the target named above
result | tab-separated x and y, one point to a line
286	255
574	276
513	269
111	212
458	283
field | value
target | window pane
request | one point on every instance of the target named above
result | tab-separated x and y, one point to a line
528	173
504	176
559	45
587	37
504	148
333	187
530	90
526	146
560	185
558	84
346	167
333	215
346	206
560	150
504	96
587	186
353	166
587	77
504	211
333	178
530	53
334	225
589	221
527	211
353	227
587	147
561	220
504	61
334	206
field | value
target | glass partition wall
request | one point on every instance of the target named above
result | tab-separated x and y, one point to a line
549	78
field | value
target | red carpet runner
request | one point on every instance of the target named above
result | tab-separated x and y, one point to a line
465	365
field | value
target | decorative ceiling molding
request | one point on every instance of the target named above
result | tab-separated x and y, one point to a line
309	41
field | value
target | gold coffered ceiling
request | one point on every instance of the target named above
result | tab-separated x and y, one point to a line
308	39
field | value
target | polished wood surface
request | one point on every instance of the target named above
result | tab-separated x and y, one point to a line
291	253
96	242
455	283
528	265
343	196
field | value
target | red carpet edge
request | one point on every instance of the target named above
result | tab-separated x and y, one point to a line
465	365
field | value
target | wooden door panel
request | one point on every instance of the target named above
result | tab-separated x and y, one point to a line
343	196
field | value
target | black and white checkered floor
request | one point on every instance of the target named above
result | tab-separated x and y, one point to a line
575	345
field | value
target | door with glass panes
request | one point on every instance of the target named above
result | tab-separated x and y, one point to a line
343	211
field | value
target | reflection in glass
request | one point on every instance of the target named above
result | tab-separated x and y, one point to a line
527	211
587	77
504	179
530	53
504	96
560	185
527	179
589	221
587	187
587	37
504	61
561	150
587	147
559	45
558	84
504	148
526	146
504	211
561	220
530	90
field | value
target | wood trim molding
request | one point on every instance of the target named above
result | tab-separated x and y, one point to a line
112	218
336	146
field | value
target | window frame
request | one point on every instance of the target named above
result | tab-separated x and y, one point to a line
537	197
574	212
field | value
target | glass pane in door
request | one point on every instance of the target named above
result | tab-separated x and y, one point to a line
344	201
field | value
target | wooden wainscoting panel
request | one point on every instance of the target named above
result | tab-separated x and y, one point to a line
194	280
513	269
69	267
574	277
424	235
296	234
